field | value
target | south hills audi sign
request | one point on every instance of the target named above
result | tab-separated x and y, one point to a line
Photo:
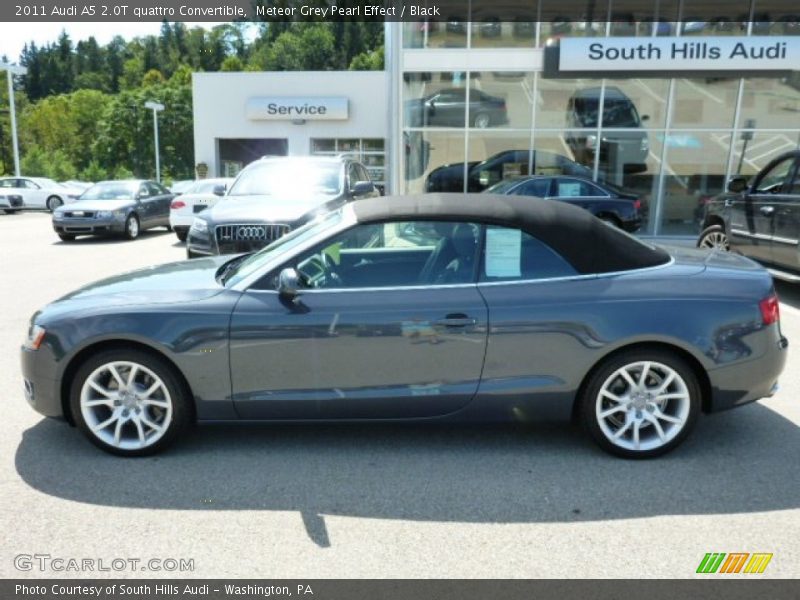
660	56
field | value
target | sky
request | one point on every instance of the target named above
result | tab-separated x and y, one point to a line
13	36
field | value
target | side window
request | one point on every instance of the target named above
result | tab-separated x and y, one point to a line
27	184
364	176
575	188
534	187
154	189
511	254
143	191
395	254
8	183
794	185
772	181
352	174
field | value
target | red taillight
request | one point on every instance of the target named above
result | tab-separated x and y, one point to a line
637	204
176	204
770	313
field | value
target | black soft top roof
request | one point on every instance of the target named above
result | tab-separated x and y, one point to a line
587	243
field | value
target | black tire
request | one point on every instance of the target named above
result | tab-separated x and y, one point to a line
132	227
53	202
9	211
181	234
589	398
169	227
66	237
182	408
714	237
482	120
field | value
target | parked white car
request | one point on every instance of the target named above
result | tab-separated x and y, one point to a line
203	194
38	192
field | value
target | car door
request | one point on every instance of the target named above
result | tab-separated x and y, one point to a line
538	310
386	327
161	199
752	214
32	194
448	108
786	224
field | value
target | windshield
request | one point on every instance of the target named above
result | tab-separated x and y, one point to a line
111	190
288	178
206	186
295	238
616	113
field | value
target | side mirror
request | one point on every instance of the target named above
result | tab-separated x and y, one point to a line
219	189
737	184
360	188
289	283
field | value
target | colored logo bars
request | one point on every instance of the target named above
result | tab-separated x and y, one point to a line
734	562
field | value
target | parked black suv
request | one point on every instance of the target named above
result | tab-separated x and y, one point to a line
760	218
272	196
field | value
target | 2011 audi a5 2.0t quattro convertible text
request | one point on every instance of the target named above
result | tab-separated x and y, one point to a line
445	306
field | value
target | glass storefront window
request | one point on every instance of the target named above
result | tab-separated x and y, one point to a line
694	172
769	102
704	103
501	99
434	161
435	99
451	32
493	157
753	151
553	96
638	103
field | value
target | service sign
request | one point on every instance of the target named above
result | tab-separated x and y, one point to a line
670	54
293	108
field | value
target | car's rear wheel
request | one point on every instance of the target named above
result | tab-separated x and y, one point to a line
132	227
482	120
66	237
641	404
714	238
9	211
129	403
53	202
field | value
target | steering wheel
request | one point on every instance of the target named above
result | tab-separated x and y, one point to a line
326	275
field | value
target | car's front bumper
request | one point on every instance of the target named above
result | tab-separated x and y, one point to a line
88	226
745	382
42	388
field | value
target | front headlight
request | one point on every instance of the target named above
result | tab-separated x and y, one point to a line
110	214
200	225
35	337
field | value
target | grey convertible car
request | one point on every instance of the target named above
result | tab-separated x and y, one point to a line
442	306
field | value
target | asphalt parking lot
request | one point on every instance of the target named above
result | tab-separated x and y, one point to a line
379	501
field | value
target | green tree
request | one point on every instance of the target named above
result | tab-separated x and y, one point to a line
368	61
232	63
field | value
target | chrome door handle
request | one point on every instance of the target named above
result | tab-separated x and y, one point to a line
455	320
767	211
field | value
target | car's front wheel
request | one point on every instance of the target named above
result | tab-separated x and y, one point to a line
714	238
132	227
641	403
129	403
66	237
182	234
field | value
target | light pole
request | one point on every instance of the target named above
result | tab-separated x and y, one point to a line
156	108
12	70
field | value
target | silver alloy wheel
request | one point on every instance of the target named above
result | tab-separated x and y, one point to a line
126	405
53	202
482	121
642	406
133	227
715	240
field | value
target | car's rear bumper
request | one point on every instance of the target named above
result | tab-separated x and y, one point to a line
746	382
178	221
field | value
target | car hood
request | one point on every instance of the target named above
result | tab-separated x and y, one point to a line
177	282
101	204
271	209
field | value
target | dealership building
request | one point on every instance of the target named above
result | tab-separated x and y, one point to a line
662	107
